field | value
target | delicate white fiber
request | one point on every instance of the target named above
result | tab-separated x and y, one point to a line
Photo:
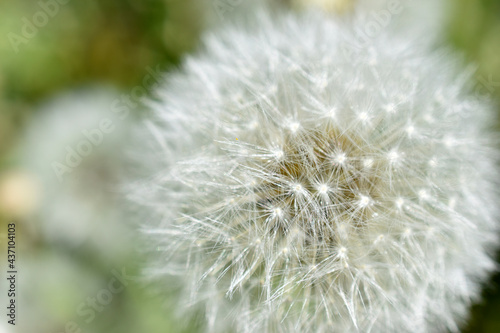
299	183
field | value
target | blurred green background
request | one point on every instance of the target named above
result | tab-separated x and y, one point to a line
115	45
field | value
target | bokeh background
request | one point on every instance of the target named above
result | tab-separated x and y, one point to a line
95	61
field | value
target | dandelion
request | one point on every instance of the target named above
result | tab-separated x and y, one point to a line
71	168
298	183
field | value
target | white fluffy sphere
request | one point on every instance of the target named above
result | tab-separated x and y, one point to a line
302	184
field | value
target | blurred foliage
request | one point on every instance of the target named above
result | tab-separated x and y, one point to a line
108	40
115	42
111	41
475	29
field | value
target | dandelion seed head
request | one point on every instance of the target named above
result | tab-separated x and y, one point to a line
336	219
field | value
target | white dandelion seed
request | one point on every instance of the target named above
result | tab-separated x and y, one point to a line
343	228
